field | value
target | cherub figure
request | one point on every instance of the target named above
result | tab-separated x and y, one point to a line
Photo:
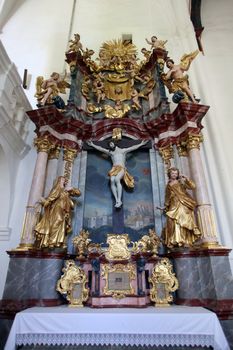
47	90
87	54
156	43
175	80
135	98
146	53
75	45
99	90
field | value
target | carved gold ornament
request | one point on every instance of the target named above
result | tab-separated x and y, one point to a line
163	282
148	243
81	243
116	112
117	134
43	144
118	247
118	279
73	284
166	153
194	141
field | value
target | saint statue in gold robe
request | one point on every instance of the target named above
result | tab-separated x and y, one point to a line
181	229
55	222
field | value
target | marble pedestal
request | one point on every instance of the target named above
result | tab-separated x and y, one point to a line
205	279
31	280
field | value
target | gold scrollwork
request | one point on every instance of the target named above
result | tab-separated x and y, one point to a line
148	243
73	284
163	282
118	279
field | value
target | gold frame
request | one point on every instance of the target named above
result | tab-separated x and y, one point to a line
121	268
162	275
73	276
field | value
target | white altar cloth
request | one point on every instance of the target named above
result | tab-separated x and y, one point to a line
175	325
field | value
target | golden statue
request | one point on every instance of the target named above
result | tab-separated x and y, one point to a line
148	243
175	80
181	229
55	222
47	90
81	242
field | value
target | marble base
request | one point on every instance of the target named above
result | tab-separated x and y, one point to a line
227	326
31	280
205	279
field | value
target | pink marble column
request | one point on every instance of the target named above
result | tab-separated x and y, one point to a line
205	215
33	209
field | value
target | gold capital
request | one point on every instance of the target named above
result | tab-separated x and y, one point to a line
166	153
69	154
194	141
182	149
43	144
55	152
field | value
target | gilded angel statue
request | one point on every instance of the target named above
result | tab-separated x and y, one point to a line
176	81
47	90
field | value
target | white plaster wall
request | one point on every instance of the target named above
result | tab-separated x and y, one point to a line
36	38
217	77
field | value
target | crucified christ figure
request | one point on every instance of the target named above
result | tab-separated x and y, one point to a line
118	171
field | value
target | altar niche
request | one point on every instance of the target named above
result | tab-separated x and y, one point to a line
136	215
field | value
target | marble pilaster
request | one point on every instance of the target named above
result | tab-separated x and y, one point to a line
52	169
183	160
37	187
205	214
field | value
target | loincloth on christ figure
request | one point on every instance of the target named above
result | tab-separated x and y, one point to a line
127	178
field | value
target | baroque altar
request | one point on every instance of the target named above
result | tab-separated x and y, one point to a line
113	163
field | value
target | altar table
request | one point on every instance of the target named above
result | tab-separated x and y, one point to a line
175	326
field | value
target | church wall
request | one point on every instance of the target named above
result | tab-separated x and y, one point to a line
36	38
216	77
